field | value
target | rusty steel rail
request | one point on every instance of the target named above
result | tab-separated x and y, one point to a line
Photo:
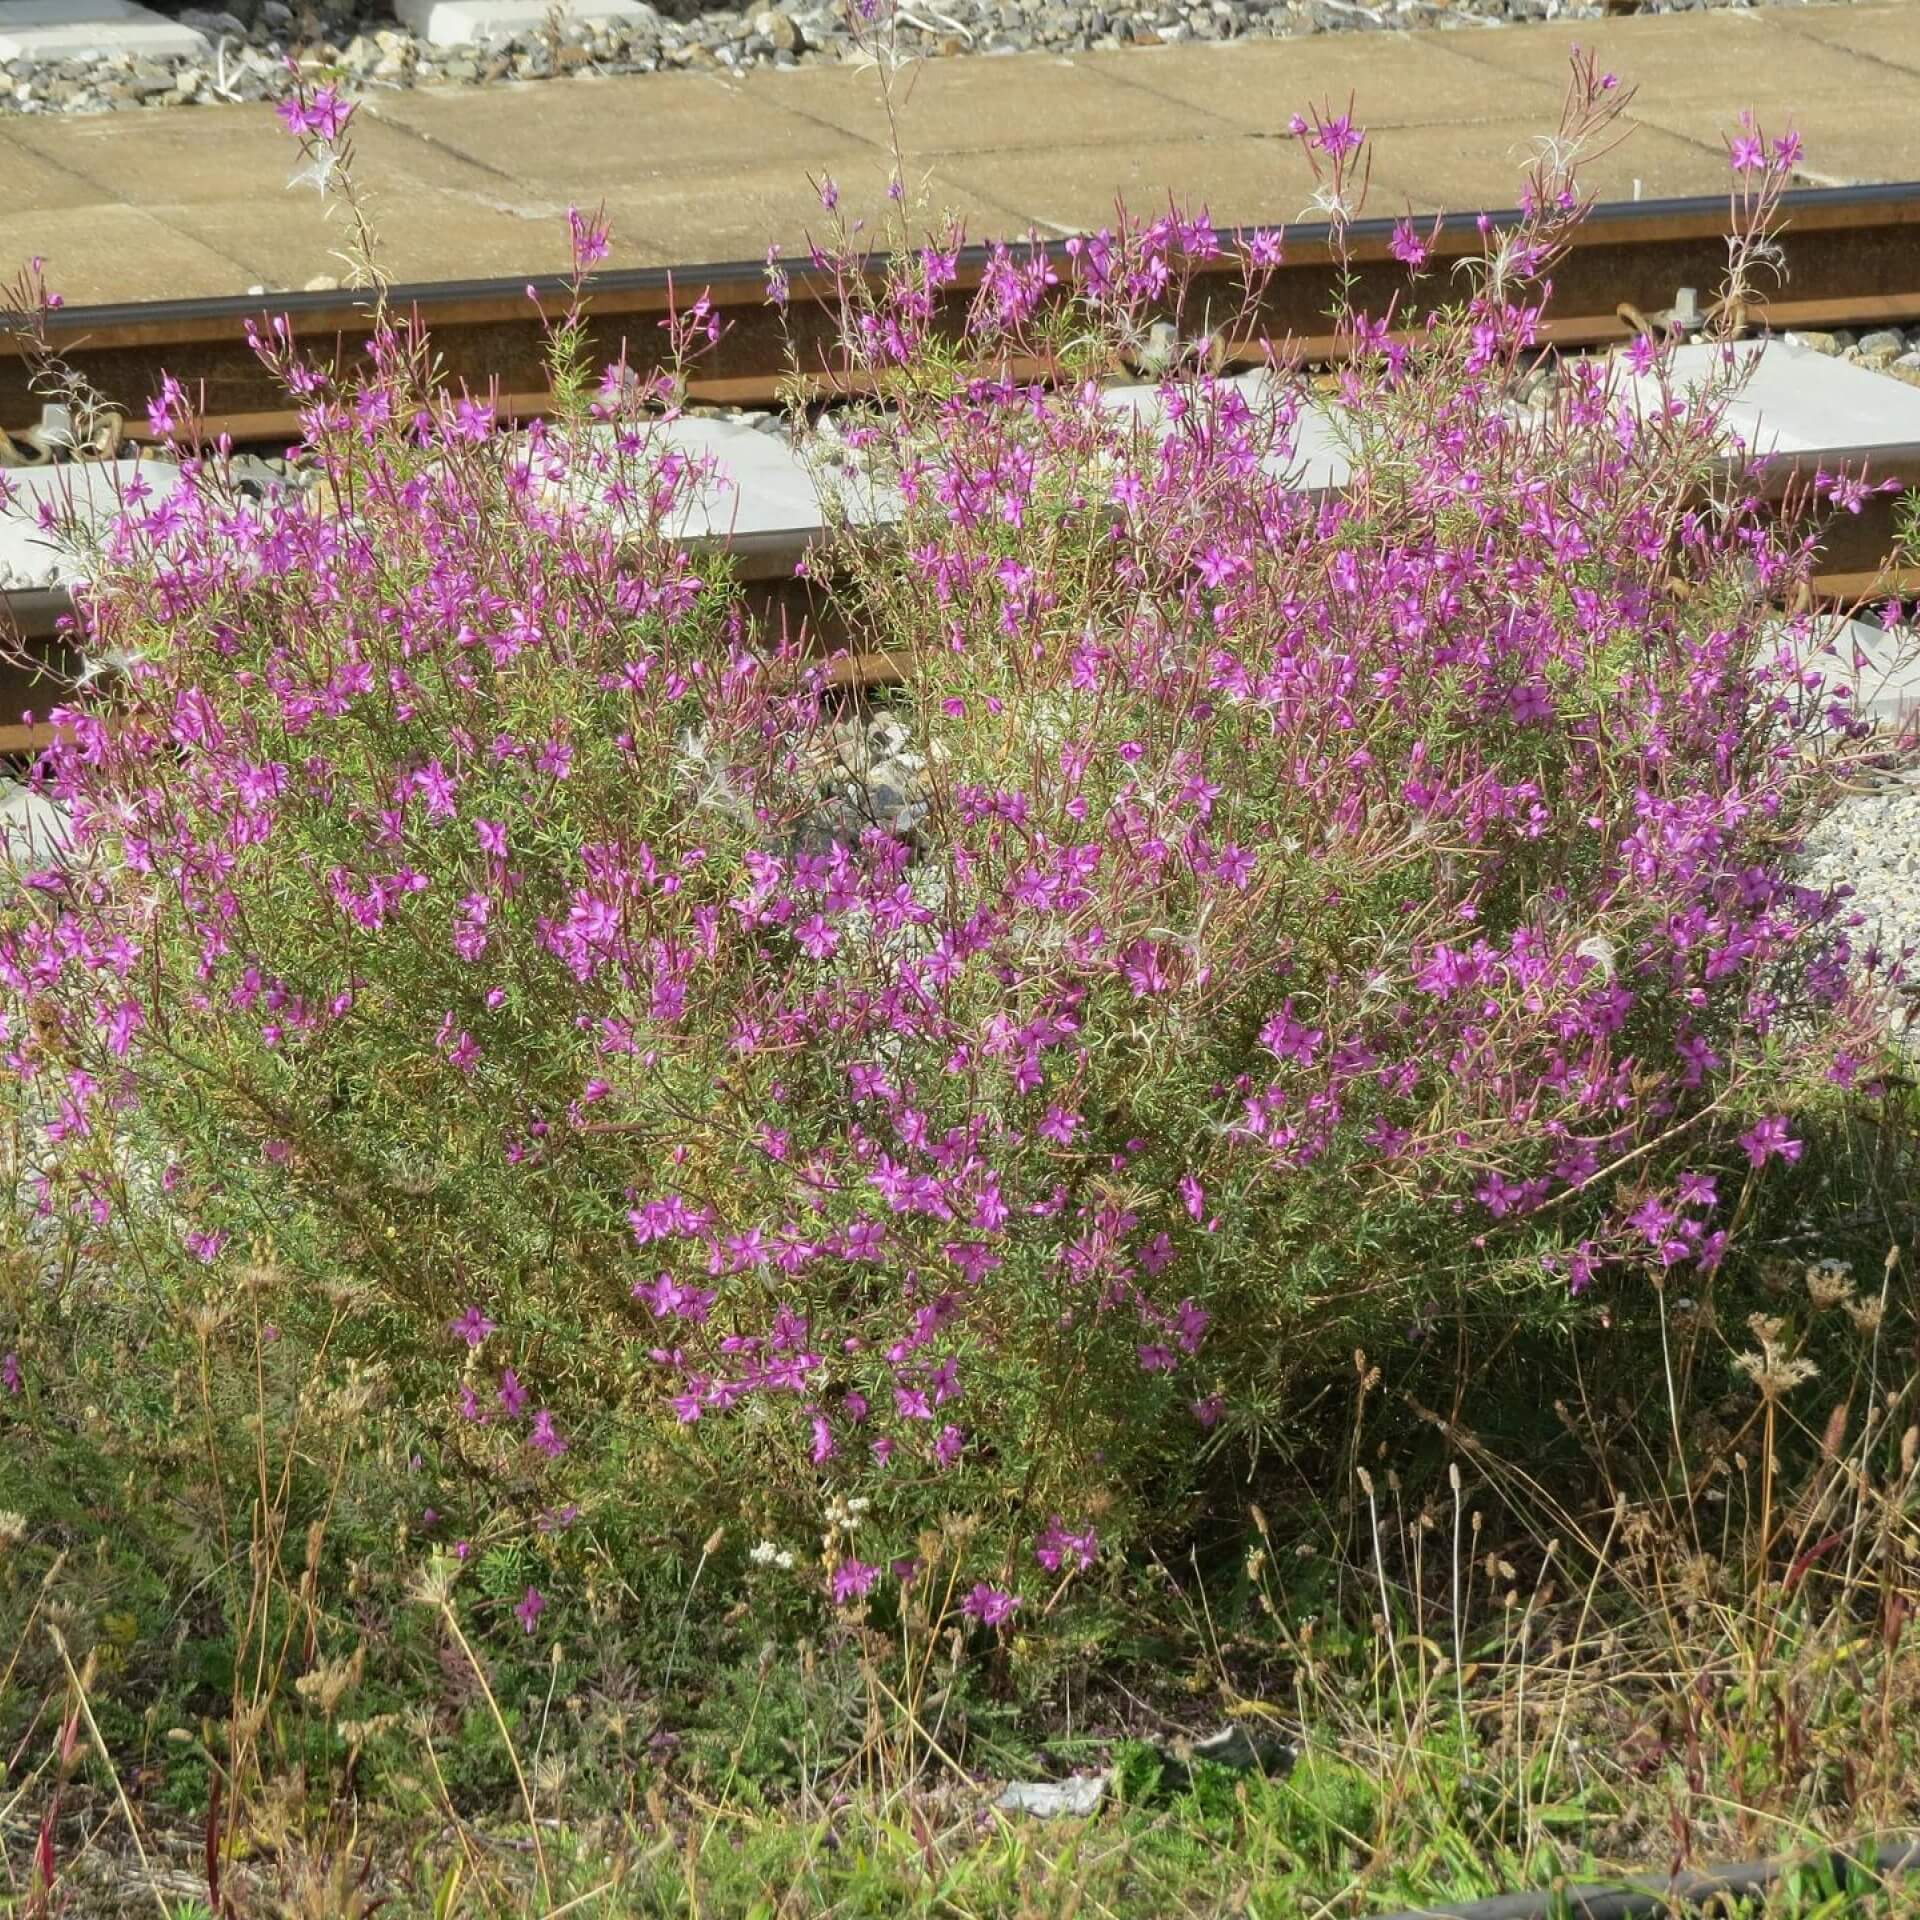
1853	257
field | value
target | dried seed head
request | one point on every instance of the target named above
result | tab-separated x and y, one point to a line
1773	1370
1867	1314
1829	1283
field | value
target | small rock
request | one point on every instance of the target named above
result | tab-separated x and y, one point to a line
781	29
1239	1748
1816	342
322	283
1888	340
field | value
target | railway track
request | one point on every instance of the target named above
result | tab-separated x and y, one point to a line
1854	255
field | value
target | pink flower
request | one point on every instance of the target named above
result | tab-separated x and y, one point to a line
324	115
591	238
513	1396
817	939
1058	1545
851	1581
473	1326
530	1609
1769	1139
472	419
991	1606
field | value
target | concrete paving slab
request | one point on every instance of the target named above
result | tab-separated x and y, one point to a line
63	29
687	220
1235	180
991	106
29	556
1848	148
1255	85
1467	169
580	142
1451	169
1888	34
118	253
703	167
282	240
1695	72
230	155
44	185
452	23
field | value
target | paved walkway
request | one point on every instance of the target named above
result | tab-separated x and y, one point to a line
697	167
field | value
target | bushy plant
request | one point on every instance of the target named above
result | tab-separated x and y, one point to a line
1315	907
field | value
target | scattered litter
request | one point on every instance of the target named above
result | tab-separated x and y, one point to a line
1048	1799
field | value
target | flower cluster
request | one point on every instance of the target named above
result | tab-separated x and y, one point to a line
1318	898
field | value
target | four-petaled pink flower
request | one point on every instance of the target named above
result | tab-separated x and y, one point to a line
591	238
1768	1139
851	1581
473	1326
472	419
1060	1547
530	1609
991	1606
324	114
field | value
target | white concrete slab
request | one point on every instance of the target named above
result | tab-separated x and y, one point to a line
1797	407
454	23
1881	666
1317	461
760	500
765	504
64	29
33	829
31	557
